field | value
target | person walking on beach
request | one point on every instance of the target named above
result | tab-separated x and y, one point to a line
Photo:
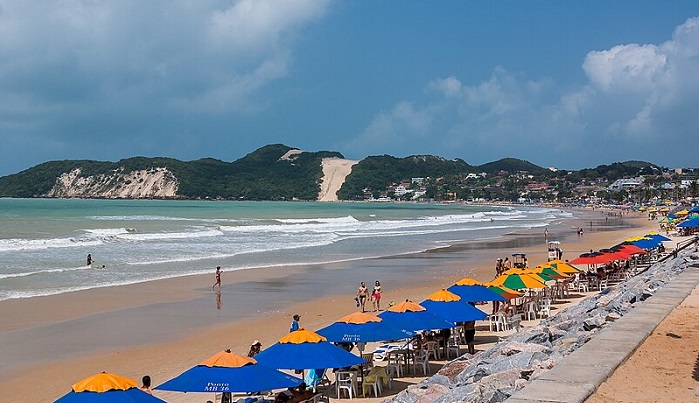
546	234
376	296
362	293
89	259
218	278
295	323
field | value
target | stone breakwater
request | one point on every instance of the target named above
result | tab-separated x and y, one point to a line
497	373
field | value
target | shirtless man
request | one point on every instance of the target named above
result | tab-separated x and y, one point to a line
362	294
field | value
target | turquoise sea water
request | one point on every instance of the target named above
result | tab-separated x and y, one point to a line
44	242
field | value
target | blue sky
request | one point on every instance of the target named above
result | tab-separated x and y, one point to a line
558	83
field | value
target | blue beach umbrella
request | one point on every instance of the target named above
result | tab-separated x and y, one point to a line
361	327
657	237
472	291
107	388
646	243
304	349
450	307
414	317
229	372
692	222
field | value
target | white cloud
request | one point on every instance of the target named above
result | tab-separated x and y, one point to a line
637	101
121	51
449	86
625	67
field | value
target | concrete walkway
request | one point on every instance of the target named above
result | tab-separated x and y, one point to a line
577	376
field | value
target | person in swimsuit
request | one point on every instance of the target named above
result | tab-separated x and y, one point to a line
376	296
218	278
89	259
362	294
146	384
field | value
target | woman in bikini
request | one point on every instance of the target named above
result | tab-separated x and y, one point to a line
218	278
376	296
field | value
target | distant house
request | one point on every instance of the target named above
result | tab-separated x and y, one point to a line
536	187
626	183
401	190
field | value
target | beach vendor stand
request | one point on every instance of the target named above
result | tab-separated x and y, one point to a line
519	260
554	250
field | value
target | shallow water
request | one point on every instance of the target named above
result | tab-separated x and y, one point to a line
44	242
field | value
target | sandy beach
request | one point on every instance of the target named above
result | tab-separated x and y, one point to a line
162	328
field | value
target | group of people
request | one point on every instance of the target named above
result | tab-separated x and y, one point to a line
363	295
502	265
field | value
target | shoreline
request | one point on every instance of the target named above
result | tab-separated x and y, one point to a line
199	329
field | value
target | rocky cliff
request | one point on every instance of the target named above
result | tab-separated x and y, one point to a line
142	184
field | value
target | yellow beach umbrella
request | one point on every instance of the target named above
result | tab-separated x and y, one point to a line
302	336
359	318
505	292
682	212
104	382
517	281
406	306
468	281
563	266
443	296
549	271
227	359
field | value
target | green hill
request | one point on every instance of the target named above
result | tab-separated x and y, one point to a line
511	165
378	172
260	175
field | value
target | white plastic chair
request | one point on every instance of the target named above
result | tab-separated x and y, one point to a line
545	308
583	286
453	347
432	349
346	381
422	359
531	310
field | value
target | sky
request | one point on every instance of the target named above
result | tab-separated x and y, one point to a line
557	83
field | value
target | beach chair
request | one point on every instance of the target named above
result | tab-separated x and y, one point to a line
381	352
453	347
375	380
432	349
422	359
545	308
346	381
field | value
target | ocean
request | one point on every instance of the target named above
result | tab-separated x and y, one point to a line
44	242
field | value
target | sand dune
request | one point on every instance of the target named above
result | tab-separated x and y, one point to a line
335	170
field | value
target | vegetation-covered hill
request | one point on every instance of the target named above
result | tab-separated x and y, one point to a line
511	165
260	175
279	172
617	170
377	172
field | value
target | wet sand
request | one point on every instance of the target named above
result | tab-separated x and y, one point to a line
164	327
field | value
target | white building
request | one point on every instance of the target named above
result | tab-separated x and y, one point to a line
626	183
